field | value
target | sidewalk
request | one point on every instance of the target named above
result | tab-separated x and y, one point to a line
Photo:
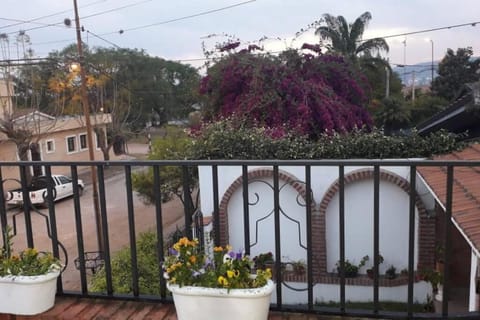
135	151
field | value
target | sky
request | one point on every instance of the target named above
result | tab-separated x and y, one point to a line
178	29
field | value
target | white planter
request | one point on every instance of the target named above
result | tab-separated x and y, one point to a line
201	303
28	295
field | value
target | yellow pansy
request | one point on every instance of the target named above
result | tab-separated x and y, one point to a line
222	281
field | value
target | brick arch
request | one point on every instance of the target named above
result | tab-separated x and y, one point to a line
426	232
252	175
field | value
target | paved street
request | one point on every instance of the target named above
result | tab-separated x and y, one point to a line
116	203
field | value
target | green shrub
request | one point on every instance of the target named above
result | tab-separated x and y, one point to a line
148	269
172	146
227	139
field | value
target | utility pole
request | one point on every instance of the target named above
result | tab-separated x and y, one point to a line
431	41
86	114
387	82
413	87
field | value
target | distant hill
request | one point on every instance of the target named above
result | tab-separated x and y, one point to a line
423	73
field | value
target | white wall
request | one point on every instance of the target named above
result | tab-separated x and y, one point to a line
322	178
394	212
262	221
331	292
394	217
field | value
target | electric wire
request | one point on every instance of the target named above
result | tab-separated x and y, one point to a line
182	18
45	25
20	22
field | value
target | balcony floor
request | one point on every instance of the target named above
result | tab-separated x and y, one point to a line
101	309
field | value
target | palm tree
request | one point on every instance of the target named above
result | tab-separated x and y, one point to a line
346	39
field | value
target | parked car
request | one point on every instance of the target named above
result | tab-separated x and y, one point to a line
63	188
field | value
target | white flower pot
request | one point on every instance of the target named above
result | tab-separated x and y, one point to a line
201	303
28	295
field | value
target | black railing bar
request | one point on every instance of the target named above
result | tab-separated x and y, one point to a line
79	230
376	235
131	230
216	206
3	211
308	212
104	223
246	210
26	206
278	249
53	227
187	205
293	163
411	238
159	227
50	188
447	239
341	225
120	297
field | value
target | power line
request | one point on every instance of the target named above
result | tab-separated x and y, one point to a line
107	41
20	22
45	25
473	24
182	18
150	25
115	9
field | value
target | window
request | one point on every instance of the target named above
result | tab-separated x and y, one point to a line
50	146
64	180
83	141
97	140
71	144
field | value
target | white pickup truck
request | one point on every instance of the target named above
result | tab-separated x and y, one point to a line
63	188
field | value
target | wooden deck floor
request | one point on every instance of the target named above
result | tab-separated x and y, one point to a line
101	309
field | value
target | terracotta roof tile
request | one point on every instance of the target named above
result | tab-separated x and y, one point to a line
466	190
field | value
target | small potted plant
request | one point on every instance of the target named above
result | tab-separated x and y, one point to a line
299	267
351	269
28	279
434	277
391	273
263	261
210	287
370	270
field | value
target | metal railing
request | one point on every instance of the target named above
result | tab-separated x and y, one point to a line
311	278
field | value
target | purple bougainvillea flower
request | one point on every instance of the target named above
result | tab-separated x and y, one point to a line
172	251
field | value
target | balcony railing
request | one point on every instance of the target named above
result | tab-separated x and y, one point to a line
66	228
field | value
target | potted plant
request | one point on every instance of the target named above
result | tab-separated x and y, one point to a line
434	277
370	270
218	287
263	260
351	270
391	273
299	267
27	279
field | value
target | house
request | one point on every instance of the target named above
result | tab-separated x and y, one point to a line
465	232
462	115
61	138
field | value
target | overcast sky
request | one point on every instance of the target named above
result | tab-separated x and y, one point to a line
146	24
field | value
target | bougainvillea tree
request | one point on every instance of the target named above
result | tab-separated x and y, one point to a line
304	93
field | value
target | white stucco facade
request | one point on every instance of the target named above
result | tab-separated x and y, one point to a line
359	204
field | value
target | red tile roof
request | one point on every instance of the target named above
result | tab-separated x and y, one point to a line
466	190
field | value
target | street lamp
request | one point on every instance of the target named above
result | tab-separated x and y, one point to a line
431	41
